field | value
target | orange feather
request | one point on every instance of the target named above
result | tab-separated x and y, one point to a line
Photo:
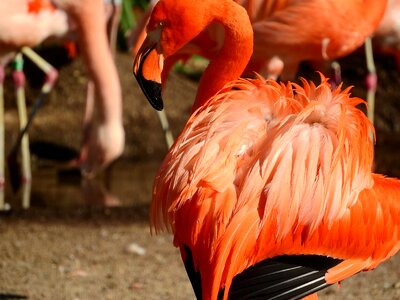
287	32
263	169
34	6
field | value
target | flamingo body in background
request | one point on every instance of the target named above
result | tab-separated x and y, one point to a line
268	190
287	32
387	36
103	138
24	24
313	30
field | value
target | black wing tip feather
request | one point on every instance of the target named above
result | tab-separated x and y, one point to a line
194	277
282	278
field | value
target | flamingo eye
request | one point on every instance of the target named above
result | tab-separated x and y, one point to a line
161	24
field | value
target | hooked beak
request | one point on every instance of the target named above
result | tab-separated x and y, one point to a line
147	69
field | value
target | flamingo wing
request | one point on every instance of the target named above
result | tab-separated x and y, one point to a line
279	278
248	181
287	173
284	277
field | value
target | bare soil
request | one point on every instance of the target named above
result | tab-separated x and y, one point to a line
60	251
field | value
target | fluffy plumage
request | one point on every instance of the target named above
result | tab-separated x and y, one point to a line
288	172
264	170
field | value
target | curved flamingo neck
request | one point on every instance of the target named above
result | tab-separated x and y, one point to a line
233	57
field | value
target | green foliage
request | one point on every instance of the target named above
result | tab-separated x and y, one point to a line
193	68
128	19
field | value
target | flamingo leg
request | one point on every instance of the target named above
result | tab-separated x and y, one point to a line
2	156
89	109
337	74
113	14
47	68
26	195
169	138
112	24
371	80
19	81
19	78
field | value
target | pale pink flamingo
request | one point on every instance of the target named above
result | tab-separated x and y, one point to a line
103	138
24	24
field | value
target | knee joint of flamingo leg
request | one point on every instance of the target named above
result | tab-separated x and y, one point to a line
371	81
26	179
2	74
51	78
19	78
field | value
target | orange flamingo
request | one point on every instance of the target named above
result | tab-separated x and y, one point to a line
287	32
268	190
284	37
288	35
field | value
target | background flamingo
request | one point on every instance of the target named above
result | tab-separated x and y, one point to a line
284	37
288	32
103	137
387	36
32	21
264	176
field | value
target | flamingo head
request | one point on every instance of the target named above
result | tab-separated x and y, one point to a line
173	23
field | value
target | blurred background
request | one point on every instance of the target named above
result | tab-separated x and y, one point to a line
69	237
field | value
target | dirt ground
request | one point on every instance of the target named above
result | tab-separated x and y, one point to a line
68	249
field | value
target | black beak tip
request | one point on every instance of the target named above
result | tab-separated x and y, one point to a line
152	91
